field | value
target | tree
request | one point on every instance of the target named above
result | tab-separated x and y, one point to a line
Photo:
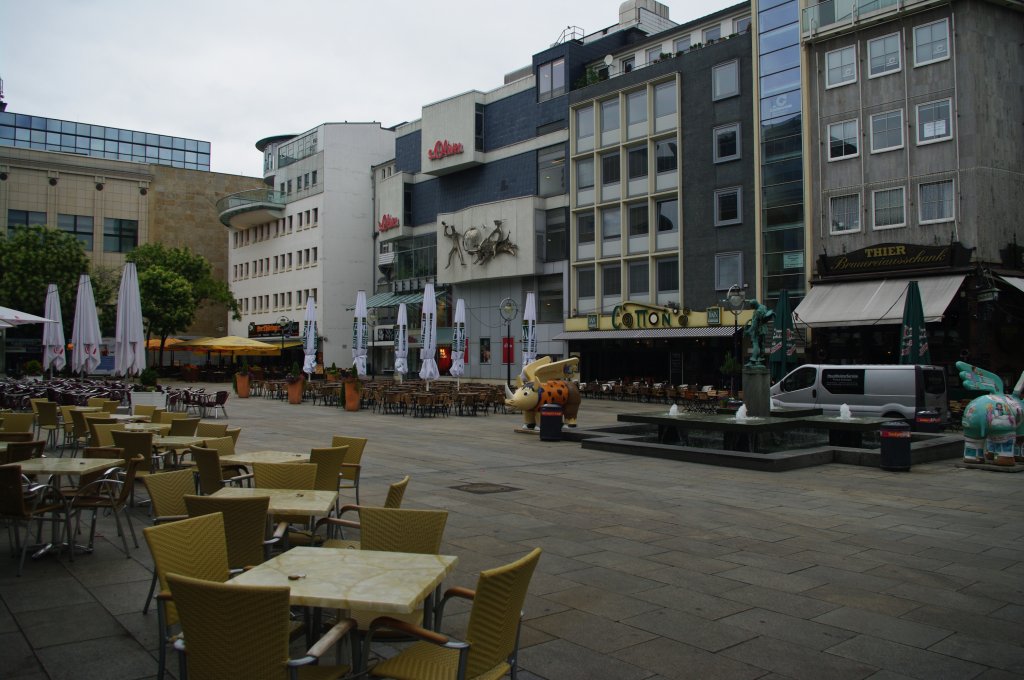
31	259
167	303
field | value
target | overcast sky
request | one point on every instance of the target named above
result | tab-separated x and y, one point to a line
232	73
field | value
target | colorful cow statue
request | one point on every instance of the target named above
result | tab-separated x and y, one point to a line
547	382
993	423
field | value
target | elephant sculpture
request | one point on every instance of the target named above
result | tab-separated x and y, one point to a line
993	423
547	382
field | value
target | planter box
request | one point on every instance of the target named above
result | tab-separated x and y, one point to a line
157	399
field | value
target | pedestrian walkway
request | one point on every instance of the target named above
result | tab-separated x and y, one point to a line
651	569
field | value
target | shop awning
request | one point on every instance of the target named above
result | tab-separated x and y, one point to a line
1015	281
642	333
395	299
866	303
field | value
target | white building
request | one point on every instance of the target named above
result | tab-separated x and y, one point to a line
310	233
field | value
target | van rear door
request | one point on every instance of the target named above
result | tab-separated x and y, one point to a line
931	390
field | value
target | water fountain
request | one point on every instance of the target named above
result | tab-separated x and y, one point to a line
673	410
844	412
741	413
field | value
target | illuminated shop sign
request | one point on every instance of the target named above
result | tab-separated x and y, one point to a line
637	315
443	149
387	222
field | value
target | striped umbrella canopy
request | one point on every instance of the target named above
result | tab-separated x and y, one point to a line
428	336
402	342
360	334
309	346
529	331
458	368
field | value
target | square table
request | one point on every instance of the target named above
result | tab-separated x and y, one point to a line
156	428
66	466
173	444
346	579
264	457
309	502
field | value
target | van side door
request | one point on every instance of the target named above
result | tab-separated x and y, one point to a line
841	385
798	389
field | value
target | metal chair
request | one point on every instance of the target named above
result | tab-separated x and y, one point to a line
22	503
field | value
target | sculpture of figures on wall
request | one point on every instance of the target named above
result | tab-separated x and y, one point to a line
484	249
453	235
757	329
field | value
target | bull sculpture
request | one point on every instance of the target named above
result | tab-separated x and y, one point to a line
547	382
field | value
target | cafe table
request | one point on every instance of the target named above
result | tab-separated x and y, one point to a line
66	466
156	428
307	502
264	457
172	445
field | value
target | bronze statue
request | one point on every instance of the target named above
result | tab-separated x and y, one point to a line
455	237
757	329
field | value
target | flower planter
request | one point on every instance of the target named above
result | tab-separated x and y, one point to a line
353	394
242	385
295	392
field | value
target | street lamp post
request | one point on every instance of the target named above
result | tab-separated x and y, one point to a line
371	318
508	310
284	322
736	300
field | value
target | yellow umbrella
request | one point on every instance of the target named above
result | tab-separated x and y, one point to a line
230	344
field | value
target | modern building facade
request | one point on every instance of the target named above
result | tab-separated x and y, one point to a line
307	233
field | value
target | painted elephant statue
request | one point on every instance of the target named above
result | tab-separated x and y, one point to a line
993	423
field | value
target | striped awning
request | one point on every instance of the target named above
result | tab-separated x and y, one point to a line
395	299
642	333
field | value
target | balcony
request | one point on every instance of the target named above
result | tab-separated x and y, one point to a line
249	208
836	15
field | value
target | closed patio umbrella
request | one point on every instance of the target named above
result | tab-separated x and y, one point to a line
913	336
309	346
458	368
54	358
359	334
402	342
130	337
428	336
529	332
781	356
85	336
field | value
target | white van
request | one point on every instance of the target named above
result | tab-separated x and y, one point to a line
870	390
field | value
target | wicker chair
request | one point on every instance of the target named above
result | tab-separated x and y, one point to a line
211	475
167	491
19	451
206	429
193	547
21	504
245	526
136	444
102	433
48	420
396	492
221	643
183	427
491	646
91	421
18	422
352	467
284	475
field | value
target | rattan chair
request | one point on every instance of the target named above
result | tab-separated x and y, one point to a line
211	475
351	468
17	437
102	433
245	526
193	547
137	444
329	462
241	632
18	422
143	410
284	475
206	429
183	427
167	491
491	647
234	433
336	525
48	420
92	420
24	503
19	451
112	492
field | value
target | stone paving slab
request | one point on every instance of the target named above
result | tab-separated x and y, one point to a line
653	569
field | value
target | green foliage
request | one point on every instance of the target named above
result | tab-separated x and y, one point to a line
731	366
167	301
33	367
149	377
194	268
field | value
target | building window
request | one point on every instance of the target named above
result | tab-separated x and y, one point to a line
78	225
628	63
934	122
889	208
725	80
289	185
884	55
314	177
887	131
585	228
585	282
638	223
936	202
842	140
316	212
305	181
682	44
728	270
556	242
931	43
845	212
639	279
728	208
665	156
478	130
611	280
24	218
585	173
551	79
665	99
668	275
610	115
841	67
713	33
636	160
653	54
585	125
668	215
611	224
120	236
551	171
741	25
636	107
611	171
727	143
314	253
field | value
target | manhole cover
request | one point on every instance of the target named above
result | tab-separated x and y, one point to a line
483	488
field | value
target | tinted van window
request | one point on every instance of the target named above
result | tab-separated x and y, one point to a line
799	379
934	382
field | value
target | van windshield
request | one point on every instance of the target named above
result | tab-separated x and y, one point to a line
934	381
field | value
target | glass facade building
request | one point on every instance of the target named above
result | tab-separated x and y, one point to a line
65	136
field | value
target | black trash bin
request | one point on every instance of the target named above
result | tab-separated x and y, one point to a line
551	423
927	421
895	453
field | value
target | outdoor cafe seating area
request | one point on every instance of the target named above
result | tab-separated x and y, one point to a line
692	398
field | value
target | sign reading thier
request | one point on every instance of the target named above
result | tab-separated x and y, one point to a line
443	149
895	257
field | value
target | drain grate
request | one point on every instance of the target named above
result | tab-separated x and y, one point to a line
484	488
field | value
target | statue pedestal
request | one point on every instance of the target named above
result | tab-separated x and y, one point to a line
756	382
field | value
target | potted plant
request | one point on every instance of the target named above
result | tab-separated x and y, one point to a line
33	370
149	394
242	380
332	373
353	388
296	383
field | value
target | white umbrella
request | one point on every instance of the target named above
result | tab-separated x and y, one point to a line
359	334
86	333
428	336
309	349
130	337
529	331
53	333
458	368
402	342
12	317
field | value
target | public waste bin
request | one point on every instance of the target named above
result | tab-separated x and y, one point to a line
895	453
927	421
551	423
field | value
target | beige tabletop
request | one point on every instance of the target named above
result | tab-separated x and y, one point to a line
286	501
87	409
147	427
67	466
264	457
343	578
125	417
177	442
